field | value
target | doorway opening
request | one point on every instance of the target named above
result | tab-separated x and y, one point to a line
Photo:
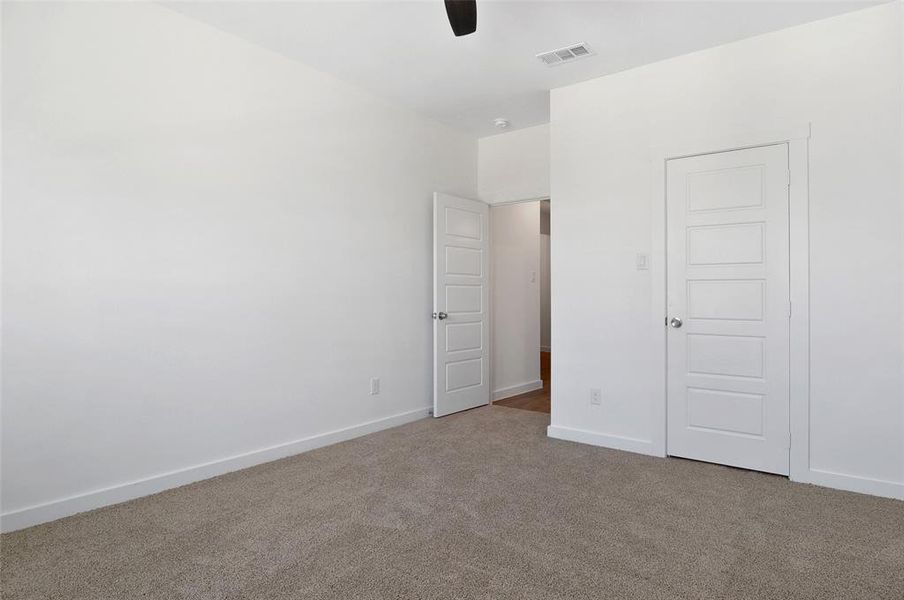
522	347
491	305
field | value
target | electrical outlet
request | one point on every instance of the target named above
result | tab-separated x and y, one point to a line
596	396
374	386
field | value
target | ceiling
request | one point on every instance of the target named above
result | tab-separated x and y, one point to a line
405	51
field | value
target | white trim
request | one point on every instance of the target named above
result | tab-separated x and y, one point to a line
659	306
901	182
901	15
799	351
855	483
515	390
797	139
64	507
491	303
507	202
616	442
731	141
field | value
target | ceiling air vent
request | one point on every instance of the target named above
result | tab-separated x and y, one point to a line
564	55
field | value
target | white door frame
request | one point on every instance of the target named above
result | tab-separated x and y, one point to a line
797	138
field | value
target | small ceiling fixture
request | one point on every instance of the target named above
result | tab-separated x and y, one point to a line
564	55
501	123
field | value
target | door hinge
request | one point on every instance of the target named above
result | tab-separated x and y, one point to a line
789	309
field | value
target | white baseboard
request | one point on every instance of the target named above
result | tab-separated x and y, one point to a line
839	481
514	390
855	483
616	442
64	507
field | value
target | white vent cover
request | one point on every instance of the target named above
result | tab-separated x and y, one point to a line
564	55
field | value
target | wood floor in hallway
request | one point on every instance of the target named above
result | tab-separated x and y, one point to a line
537	400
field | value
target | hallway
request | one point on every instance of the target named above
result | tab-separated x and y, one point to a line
537	400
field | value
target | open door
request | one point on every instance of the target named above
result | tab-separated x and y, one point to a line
461	328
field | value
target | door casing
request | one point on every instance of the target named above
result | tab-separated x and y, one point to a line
797	138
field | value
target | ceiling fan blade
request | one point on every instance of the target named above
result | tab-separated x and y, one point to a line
462	16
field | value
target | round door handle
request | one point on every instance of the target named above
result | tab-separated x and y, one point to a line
676	322
440	316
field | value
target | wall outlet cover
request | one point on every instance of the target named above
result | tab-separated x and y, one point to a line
596	396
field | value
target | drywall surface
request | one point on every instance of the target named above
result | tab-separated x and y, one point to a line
515	239
514	166
545	314
901	47
843	75
208	251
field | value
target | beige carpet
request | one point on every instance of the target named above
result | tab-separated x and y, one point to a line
476	505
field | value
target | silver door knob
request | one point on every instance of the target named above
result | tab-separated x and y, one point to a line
440	316
676	322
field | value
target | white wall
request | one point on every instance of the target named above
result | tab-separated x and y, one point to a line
197	235
845	76
901	92
515	238
514	166
545	282
545	295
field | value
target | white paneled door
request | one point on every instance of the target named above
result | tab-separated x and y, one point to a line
729	310
461	328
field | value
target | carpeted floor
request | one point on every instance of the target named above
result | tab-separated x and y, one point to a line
475	505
